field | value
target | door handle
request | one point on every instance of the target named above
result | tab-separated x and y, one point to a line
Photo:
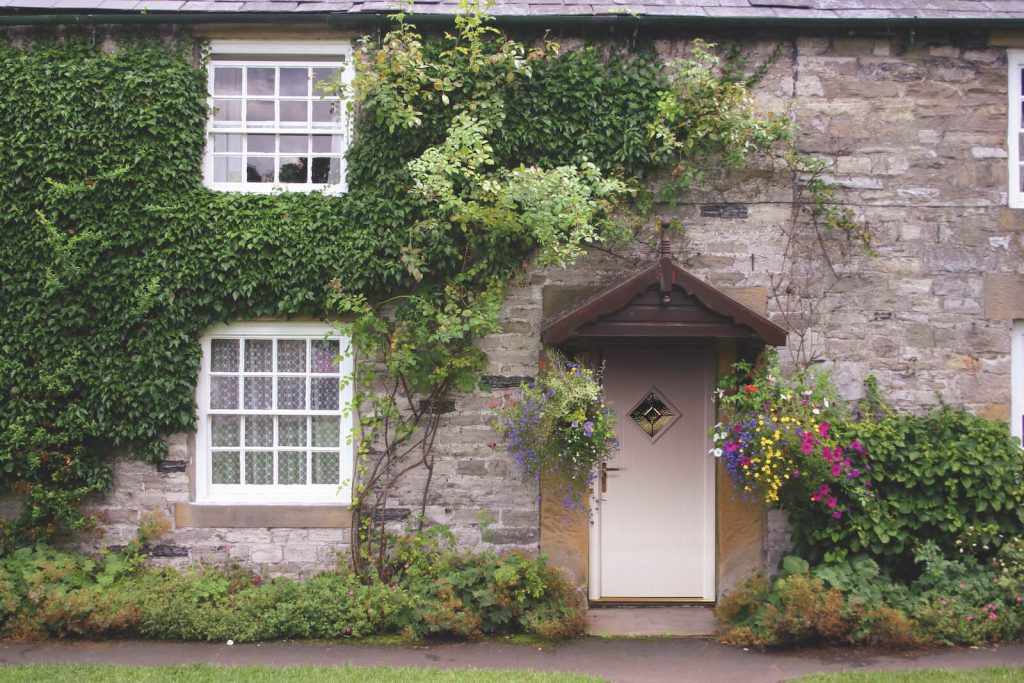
604	476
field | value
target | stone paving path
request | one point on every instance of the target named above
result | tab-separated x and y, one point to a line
640	660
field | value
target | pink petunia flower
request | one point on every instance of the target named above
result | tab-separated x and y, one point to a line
823	428
837	514
832	502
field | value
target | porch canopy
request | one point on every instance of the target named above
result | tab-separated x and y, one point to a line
663	300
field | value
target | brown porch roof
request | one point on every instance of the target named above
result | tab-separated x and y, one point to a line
663	300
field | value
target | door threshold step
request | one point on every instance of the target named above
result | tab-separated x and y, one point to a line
652	620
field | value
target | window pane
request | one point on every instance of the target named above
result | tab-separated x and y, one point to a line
326	170
294	82
293	170
291	431
224	355
291	467
326	432
225	430
226	469
261	81
227	80
259	467
291	355
258	355
324	395
224	393
325	468
259	169
292	144
326	113
259	430
227	111
325	352
322	73
227	169
294	113
258	393
261	144
259	111
327	144
227	142
291	393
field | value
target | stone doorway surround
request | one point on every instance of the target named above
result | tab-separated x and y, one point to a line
662	301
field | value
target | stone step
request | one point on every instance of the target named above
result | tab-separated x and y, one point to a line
652	620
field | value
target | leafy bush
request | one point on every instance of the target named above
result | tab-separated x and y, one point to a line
436	592
934	477
961	601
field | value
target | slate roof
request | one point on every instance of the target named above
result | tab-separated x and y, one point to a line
820	10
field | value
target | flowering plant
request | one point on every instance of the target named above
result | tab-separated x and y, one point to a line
559	425
782	436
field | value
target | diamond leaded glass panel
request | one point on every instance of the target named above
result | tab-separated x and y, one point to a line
651	414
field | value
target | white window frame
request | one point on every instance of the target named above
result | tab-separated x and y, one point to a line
1017	380
206	491
1015	63
319	53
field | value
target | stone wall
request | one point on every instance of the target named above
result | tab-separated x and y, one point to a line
915	126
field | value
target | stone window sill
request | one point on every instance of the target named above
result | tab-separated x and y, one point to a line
265	516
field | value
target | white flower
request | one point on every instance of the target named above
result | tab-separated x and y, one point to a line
718	452
784	397
816	411
826	403
231	642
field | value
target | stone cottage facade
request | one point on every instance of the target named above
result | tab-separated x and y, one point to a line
917	107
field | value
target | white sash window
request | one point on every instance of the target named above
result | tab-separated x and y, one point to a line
274	419
273	126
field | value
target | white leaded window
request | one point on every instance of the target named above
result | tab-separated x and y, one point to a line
1015	59
1017	380
273	126
274	424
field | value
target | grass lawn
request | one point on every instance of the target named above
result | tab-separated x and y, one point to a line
203	673
1002	674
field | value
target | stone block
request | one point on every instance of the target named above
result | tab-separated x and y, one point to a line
1004	296
300	552
522	536
266	554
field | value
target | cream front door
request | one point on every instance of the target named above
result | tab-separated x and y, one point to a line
654	529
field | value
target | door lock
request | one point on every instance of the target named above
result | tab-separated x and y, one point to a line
604	476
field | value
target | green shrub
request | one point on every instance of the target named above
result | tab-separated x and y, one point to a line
933	477
959	601
436	591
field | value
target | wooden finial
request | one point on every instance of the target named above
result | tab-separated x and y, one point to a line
665	249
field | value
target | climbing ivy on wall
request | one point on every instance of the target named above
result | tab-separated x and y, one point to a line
114	258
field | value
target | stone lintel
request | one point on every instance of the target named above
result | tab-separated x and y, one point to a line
265	516
1006	37
1004	296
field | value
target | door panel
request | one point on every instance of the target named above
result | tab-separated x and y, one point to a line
655	523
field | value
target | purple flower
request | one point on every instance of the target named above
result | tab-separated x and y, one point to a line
575	424
588	428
